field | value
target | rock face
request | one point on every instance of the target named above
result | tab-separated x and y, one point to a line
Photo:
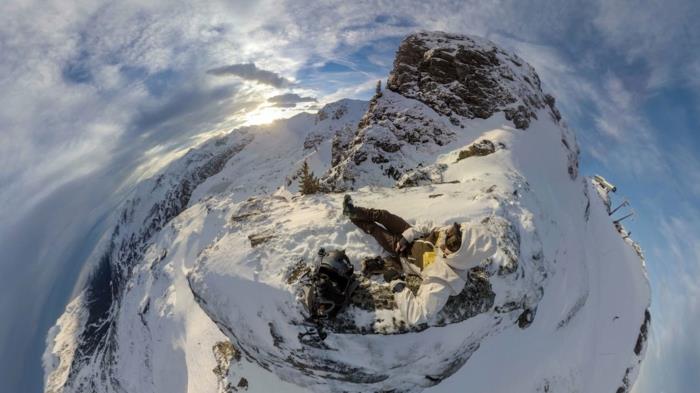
469	77
197	285
376	154
440	83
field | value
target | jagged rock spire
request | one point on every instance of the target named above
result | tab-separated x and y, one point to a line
439	82
467	76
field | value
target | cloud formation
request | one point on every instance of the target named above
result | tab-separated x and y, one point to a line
289	100
251	72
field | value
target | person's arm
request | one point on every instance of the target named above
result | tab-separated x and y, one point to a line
420	308
417	231
409	235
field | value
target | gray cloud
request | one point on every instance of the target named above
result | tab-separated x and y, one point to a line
289	100
250	71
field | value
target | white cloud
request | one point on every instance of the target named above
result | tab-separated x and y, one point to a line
659	32
685	163
358	91
624	136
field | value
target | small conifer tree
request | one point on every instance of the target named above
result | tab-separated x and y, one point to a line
308	183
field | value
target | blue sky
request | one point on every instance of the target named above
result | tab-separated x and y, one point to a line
95	95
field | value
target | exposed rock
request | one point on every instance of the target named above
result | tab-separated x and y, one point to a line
225	355
333	112
481	148
572	152
242	384
422	176
643	333
390	125
469	77
260	238
526	318
457	78
340	145
313	140
639	348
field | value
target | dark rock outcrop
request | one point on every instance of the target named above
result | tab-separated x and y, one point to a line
391	124
448	79
469	77
481	148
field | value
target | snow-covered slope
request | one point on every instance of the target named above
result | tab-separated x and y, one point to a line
90	349
197	287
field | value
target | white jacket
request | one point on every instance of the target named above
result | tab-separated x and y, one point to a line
446	276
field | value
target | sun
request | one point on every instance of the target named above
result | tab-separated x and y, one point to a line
267	114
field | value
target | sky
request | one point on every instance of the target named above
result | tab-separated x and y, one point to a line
96	95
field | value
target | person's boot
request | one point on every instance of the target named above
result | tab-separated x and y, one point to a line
371	266
348	206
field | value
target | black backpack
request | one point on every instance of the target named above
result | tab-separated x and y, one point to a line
331	285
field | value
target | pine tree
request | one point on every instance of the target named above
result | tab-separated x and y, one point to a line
308	183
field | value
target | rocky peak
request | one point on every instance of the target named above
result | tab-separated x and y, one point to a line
335	120
335	110
439	82
469	77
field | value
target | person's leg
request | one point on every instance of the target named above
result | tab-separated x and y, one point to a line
393	223
385	239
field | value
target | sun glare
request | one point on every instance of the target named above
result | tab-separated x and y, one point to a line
268	114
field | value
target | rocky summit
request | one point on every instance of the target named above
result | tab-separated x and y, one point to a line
439	85
468	77
198	285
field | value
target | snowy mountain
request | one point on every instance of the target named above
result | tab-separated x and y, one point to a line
196	288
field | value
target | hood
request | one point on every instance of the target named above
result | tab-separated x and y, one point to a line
477	245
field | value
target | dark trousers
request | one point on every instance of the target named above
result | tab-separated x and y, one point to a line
383	226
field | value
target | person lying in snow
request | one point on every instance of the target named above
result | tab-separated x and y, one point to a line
441	256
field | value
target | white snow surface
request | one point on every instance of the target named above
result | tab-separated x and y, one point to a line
201	281
594	290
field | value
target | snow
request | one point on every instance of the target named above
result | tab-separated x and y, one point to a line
62	339
593	291
201	281
164	339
